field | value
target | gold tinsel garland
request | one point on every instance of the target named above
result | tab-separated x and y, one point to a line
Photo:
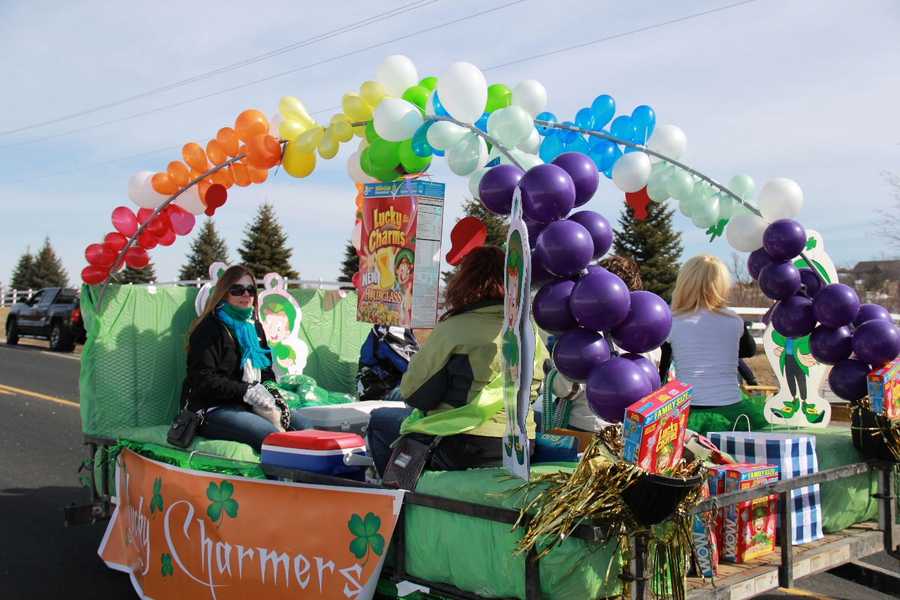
593	493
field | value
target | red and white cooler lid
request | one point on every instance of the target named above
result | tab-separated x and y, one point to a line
313	439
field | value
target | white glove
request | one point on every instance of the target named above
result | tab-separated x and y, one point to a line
259	397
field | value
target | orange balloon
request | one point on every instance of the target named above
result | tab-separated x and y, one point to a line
216	152
223	177
163	184
257	175
263	152
195	156
229	140
240	174
251	123
179	173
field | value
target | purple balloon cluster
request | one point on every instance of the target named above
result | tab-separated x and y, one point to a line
853	337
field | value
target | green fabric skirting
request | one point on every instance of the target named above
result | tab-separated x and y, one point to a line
728	418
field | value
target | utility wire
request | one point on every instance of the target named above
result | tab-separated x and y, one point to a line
263	79
233	66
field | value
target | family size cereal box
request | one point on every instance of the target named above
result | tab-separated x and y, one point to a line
884	389
705	537
748	528
655	425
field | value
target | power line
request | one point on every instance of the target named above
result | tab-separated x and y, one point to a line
233	66
264	79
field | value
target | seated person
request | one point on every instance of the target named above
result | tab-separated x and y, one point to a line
230	366
706	341
453	385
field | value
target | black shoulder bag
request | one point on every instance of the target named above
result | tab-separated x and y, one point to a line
185	425
408	459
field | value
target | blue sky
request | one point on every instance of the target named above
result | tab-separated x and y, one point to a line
801	89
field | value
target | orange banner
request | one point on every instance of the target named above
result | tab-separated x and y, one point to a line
190	534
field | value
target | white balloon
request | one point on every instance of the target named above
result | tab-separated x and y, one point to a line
523	159
397	73
532	145
396	120
141	192
475	181
354	170
745	232
631	172
443	134
356	236
668	140
190	201
467	155
780	198
463	91
275	122
510	126
530	95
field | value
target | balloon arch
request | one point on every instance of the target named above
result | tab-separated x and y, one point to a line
505	142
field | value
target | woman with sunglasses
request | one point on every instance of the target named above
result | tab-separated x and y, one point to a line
230	366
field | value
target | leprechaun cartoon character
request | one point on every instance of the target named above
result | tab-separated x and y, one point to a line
404	266
794	361
511	344
280	316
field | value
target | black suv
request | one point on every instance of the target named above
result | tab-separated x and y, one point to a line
52	314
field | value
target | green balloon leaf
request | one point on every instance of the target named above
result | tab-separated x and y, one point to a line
499	96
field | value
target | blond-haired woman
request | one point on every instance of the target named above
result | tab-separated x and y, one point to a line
230	366
706	343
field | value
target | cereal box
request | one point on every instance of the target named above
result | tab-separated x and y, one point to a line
748	528
884	389
705	536
655	425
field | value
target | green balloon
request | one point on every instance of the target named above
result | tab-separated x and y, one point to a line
384	155
371	134
429	83
412	162
680	185
499	96
418	95
365	163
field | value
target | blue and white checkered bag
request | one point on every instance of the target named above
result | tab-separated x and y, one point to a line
795	455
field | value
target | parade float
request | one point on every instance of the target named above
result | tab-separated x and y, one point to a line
630	512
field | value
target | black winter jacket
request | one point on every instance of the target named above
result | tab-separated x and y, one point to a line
214	373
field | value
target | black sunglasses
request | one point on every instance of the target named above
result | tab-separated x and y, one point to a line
240	290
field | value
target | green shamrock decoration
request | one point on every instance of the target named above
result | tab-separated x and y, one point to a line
811	243
717	230
221	499
168	569
367	536
156	503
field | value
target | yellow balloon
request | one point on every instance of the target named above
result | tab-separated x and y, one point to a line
341	128
308	140
291	108
291	129
329	146
372	92
355	107
298	162
360	131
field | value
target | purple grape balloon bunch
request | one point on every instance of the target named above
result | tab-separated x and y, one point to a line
601	326
855	338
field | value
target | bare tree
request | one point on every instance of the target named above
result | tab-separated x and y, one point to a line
888	225
739	269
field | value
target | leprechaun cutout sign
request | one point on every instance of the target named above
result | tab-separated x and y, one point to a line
798	401
280	316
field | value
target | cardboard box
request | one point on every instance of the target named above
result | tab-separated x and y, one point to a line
884	389
655	425
705	537
748	528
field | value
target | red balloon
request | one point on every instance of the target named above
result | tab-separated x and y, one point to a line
167	238
92	275
124	221
115	241
215	197
159	225
100	255
147	241
137	258
182	221
638	201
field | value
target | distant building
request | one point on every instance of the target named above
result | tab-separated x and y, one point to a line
875	281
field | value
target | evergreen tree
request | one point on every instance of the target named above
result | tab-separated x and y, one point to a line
129	275
264	248
206	248
350	263
23	274
48	270
653	244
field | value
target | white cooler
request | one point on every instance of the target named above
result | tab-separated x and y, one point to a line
351	417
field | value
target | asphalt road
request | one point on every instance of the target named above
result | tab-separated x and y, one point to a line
40	452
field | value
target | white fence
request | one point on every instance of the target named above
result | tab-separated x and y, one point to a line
8	297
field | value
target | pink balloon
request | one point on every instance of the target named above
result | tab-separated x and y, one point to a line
124	220
182	221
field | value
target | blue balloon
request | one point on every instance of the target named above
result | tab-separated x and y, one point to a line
584	118
579	144
623	128
438	152
644	119
603	153
420	145
493	163
481	123
617	154
545	116
439	109
603	107
566	135
551	147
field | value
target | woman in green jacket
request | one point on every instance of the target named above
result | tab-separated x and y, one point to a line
454	386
